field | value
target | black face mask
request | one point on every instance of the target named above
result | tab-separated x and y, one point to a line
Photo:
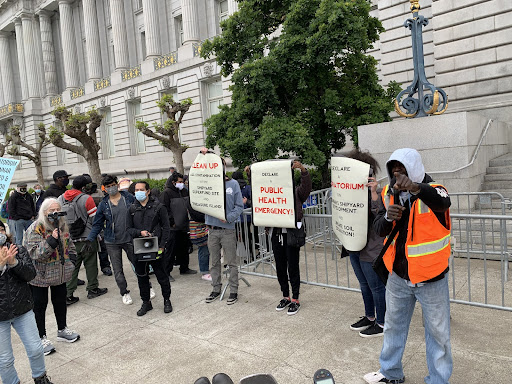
65	182
23	190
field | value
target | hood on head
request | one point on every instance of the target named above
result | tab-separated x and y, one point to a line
411	159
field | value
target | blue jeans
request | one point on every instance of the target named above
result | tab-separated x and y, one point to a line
434	298
372	288
21	226
203	256
25	326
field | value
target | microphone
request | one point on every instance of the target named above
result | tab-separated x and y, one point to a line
395	192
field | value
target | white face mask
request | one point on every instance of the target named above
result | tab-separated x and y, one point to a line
3	238
180	186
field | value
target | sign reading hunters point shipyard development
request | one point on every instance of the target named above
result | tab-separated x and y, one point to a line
207	185
350	201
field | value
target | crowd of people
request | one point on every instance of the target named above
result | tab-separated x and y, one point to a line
53	232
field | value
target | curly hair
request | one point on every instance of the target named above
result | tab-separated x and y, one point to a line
365	157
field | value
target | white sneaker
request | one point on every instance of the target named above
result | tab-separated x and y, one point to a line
206	277
47	346
127	299
152	293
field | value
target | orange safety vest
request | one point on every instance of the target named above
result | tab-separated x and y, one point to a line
427	247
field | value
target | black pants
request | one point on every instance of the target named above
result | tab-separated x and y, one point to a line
142	269
287	265
40	296
103	255
176	251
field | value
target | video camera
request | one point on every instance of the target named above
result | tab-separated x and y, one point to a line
55	215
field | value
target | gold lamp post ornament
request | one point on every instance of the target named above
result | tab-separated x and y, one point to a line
415	5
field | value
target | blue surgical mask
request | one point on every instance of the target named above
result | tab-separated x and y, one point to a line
140	195
38	191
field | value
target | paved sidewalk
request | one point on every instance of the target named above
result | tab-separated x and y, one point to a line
200	339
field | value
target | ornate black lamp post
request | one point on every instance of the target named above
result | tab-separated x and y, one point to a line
430	100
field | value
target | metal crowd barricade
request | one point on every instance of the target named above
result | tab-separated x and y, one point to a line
478	273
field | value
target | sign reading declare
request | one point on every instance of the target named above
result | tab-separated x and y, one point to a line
207	185
350	201
273	194
7	168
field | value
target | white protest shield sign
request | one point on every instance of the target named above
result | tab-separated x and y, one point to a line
273	194
207	185
7	168
350	201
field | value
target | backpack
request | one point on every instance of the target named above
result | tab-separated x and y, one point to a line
3	211
76	222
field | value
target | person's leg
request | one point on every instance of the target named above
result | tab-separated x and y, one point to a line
7	371
91	267
281	263
214	244
162	277
58	294
116	256
203	256
73	282
40	297
12	229
25	326
293	256
19	228
377	288
182	255
141	270
26	224
103	255
228	242
169	253
400	303
435	305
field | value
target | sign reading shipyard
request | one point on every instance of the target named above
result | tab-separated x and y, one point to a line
7	168
207	185
350	201
273	194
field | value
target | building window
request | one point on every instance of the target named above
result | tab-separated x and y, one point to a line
215	98
223	10
140	138
110	147
178	23
111	55
143	45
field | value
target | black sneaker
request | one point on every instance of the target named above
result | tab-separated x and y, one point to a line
171	279
213	296
145	308
293	308
71	300
283	304
232	299
377	377
167	306
107	271
80	282
363	323
373	330
93	293
188	272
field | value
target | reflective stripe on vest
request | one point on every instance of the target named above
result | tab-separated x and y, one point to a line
423	208
428	248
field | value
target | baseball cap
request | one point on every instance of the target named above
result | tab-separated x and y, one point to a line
21	185
80	181
60	173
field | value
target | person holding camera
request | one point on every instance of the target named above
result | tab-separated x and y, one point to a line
80	209
147	218
49	244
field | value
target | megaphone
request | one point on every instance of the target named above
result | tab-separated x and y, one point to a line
145	248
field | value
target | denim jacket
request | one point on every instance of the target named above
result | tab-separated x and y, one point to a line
104	213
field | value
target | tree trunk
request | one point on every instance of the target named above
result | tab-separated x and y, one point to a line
93	164
40	178
178	159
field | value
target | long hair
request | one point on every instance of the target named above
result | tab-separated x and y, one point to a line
365	157
42	216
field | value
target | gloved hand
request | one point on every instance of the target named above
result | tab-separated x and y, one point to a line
88	246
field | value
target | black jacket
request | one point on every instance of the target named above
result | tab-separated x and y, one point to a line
152	217
54	191
437	202
176	202
21	206
15	295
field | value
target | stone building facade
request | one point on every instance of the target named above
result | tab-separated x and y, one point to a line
122	55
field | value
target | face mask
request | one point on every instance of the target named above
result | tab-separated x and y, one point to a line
180	186
38	191
65	182
140	195
3	238
23	190
112	190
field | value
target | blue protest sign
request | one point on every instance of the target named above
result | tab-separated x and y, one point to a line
7	168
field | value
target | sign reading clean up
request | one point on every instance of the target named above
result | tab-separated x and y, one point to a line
7	168
273	194
207	185
350	201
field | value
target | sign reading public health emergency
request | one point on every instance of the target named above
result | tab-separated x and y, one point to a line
273	194
350	201
7	168
207	185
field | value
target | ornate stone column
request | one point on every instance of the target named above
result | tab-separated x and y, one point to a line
119	34
6	69
21	59
190	21
29	47
50	68
152	30
68	44
92	40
